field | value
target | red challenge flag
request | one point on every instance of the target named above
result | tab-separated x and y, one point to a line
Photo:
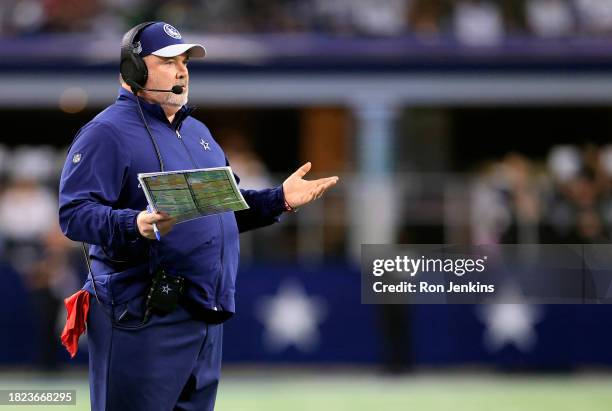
77	306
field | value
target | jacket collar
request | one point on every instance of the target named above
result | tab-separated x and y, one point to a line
155	109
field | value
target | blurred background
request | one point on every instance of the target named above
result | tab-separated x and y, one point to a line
448	121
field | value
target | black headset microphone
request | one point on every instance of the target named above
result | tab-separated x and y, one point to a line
175	89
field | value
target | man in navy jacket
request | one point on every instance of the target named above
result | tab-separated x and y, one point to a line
167	361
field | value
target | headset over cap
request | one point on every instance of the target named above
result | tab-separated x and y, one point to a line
157	38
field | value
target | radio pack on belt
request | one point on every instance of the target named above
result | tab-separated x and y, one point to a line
164	293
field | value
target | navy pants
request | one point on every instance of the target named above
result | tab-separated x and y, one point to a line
172	362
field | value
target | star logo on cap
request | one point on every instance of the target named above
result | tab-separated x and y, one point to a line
172	32
204	144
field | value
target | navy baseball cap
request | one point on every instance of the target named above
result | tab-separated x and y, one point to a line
163	40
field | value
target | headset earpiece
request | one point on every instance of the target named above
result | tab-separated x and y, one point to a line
132	67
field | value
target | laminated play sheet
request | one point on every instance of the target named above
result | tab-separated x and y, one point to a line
190	194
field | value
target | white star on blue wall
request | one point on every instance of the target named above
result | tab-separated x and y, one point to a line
510	324
291	318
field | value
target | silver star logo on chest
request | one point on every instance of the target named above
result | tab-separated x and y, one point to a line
204	144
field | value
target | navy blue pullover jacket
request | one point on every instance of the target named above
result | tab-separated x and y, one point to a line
100	199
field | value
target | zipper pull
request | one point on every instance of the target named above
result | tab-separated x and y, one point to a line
178	134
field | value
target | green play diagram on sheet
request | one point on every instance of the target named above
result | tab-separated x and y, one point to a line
189	194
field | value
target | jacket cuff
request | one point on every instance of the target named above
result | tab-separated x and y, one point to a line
277	206
127	223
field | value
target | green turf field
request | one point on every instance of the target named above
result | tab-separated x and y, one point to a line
287	391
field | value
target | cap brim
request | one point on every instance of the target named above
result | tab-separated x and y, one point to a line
195	50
